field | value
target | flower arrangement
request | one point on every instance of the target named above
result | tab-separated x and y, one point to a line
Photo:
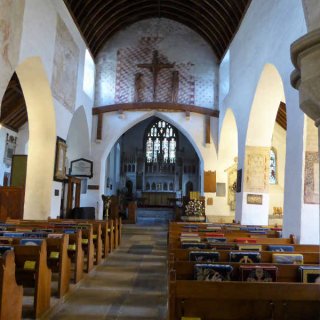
195	208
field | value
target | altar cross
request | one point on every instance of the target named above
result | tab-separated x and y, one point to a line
155	68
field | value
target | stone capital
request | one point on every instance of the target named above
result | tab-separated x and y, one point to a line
305	56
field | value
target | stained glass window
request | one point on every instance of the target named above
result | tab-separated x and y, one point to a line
161	142
273	167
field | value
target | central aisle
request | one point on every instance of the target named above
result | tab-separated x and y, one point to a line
130	284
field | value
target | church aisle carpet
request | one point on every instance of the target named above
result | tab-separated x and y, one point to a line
130	284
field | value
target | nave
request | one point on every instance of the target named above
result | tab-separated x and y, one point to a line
130	284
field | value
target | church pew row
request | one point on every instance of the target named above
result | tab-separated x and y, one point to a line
185	270
58	259
70	248
224	255
11	294
87	235
243	300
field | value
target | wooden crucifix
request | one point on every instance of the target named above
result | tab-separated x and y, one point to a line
155	68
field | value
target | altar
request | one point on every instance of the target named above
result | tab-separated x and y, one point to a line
157	198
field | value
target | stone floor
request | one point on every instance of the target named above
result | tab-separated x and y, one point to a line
130	284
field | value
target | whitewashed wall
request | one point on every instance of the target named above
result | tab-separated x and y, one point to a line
38	37
264	37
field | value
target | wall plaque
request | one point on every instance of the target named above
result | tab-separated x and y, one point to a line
209	181
81	168
221	189
254	199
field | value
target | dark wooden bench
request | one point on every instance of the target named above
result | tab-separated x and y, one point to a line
11	294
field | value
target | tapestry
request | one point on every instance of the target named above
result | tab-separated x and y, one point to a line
212	272
311	178
258	274
257	169
65	67
204	256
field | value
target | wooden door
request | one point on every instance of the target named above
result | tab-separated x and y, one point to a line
11	202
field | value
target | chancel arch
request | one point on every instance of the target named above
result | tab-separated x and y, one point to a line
261	135
227	166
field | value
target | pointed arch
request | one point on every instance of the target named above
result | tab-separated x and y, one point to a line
269	93
42	137
78	138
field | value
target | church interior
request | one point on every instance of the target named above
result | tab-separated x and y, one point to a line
142	127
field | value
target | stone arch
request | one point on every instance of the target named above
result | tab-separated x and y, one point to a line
227	162
113	138
268	96
78	138
42	137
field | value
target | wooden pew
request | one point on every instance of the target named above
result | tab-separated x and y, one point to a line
76	254
32	271
11	294
243	300
59	262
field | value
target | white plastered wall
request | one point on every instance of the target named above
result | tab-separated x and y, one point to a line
37	44
228	151
265	36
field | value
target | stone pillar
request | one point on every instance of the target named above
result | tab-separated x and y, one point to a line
305	55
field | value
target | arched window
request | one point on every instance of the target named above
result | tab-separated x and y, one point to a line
161	142
273	167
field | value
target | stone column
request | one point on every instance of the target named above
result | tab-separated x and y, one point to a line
305	55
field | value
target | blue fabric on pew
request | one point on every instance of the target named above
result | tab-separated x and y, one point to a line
212	272
31	242
69	231
36	235
204	256
13	234
3	249
280	248
245	256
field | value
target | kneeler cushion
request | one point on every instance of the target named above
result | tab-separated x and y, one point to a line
258	273
212	272
204	256
280	248
221	246
31	242
216	239
309	274
186	245
245	240
245	256
287	258
253	247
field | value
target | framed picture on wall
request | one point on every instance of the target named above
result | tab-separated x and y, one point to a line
10	148
60	160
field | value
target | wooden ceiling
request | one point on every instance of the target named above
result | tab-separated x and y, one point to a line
13	107
216	21
281	118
